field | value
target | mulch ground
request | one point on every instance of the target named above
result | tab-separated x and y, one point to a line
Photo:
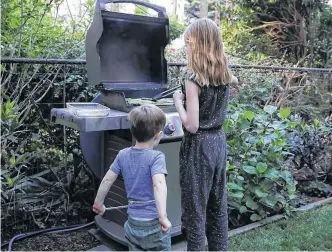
79	240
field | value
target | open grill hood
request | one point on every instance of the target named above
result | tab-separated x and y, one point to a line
125	52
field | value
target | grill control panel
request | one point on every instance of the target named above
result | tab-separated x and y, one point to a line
173	128
169	129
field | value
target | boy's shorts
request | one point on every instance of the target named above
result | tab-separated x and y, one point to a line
146	235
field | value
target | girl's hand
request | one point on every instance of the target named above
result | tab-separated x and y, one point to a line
98	208
178	97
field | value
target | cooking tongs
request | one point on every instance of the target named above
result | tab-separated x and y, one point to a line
166	93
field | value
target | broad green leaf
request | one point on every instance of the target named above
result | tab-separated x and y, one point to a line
271	173
268	139
230	106
252	161
240	178
235	116
282	199
228	126
292	124
234	204
261	167
255	217
291	188
233	186
261	118
270	109
252	140
287	176
243	122
255	153
252	204
249	169
266	185
260	193
278	125
284	113
243	209
238	195
232	141
271	200
249	115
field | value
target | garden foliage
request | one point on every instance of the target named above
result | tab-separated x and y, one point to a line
259	182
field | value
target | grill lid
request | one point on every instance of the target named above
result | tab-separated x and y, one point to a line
126	52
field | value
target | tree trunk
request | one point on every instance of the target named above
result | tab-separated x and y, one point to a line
217	12
203	8
80	9
175	8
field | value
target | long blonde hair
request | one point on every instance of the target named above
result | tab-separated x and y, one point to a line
206	57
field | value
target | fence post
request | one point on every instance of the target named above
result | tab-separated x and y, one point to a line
64	105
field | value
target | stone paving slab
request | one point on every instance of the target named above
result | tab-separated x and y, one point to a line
315	204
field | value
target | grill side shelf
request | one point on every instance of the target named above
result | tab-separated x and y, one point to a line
114	120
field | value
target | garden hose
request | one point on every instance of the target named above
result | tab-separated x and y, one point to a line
53	230
49	230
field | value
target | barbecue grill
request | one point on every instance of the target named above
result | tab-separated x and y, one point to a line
126	64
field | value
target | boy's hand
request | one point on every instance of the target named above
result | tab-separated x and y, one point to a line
98	208
165	224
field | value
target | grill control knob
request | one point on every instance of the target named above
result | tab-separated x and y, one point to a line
169	129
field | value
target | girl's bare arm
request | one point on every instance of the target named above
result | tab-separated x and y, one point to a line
190	118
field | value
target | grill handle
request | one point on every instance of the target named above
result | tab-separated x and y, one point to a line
161	10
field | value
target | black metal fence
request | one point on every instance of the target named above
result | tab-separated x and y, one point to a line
45	180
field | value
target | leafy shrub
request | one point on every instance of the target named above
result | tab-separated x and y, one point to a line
256	86
175	28
312	147
259	183
307	94
40	184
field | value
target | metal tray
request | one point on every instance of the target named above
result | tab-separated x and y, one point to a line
88	109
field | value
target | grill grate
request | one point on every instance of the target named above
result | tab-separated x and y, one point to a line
165	102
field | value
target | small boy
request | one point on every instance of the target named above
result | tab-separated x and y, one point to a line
143	170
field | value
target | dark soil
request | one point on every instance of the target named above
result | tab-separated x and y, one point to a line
79	240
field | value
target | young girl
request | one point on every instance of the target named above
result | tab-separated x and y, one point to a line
203	149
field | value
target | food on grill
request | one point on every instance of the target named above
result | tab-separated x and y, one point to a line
142	101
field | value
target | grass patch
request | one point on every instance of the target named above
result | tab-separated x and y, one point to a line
311	231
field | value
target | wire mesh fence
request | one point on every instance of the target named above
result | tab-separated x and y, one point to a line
45	181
